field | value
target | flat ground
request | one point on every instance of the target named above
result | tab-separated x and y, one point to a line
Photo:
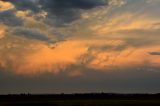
81	100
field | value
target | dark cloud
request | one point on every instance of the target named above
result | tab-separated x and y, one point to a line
29	33
9	18
66	11
124	81
154	53
61	12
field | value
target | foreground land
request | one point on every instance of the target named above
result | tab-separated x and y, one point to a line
81	100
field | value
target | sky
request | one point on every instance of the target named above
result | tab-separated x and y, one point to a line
79	46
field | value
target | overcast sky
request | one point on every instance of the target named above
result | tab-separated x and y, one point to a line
55	46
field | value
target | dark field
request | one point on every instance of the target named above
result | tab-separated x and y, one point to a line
81	100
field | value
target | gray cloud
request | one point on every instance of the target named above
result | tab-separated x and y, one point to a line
9	18
29	33
137	37
68	11
154	53
124	81
61	12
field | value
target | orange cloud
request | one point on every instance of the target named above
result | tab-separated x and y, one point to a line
2	30
131	57
30	20
125	21
52	60
5	6
2	64
58	58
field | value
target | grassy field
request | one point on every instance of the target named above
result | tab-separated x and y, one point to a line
80	100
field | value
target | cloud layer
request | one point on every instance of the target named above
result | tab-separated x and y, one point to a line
81	39
61	12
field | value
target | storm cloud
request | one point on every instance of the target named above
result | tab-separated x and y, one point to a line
61	12
9	18
30	34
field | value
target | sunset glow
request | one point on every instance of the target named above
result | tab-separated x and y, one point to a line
74	39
